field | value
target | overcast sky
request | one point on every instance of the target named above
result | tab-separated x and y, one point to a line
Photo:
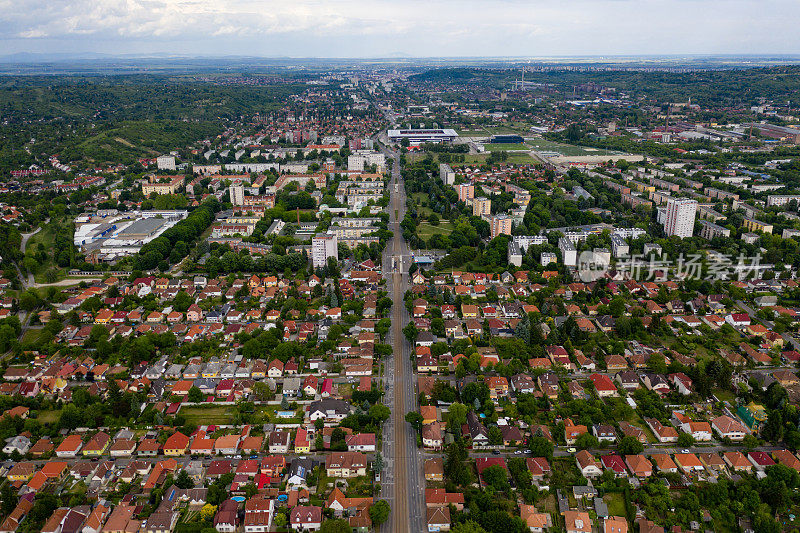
381	28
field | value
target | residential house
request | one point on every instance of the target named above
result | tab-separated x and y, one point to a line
176	444
729	428
573	431
639	465
587	464
438	519
577	522
305	518
346	464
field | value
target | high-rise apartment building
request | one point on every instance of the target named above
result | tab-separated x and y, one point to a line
465	191
501	225
680	216
237	194
323	246
481	207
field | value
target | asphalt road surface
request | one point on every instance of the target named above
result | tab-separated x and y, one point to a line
402	479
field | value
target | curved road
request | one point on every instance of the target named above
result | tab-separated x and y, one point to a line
25	236
23	246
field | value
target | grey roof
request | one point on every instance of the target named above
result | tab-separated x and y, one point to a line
144	226
301	467
330	404
600	507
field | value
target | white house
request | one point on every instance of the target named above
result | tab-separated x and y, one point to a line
19	444
738	319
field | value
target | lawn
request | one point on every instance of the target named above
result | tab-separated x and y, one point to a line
725	395
471	133
49	416
345	390
420	200
323	483
520	158
426	230
517	158
202	415
508	147
516	128
31	335
616	504
46	238
544	145
268	414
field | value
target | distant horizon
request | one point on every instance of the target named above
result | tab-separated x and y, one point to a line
31	61
401	56
364	29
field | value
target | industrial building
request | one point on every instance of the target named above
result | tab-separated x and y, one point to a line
110	234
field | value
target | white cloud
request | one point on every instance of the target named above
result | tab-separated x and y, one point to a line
415	27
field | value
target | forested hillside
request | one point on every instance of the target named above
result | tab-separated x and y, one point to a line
132	140
132	98
118	118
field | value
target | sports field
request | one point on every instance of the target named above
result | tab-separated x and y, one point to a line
543	145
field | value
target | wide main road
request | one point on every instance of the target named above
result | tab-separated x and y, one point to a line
403	482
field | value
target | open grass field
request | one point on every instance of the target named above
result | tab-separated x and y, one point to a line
212	414
49	416
420	199
45	238
426	230
472	133
32	335
543	145
508	147
516	127
521	158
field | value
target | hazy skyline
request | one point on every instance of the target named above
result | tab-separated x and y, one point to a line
356	28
